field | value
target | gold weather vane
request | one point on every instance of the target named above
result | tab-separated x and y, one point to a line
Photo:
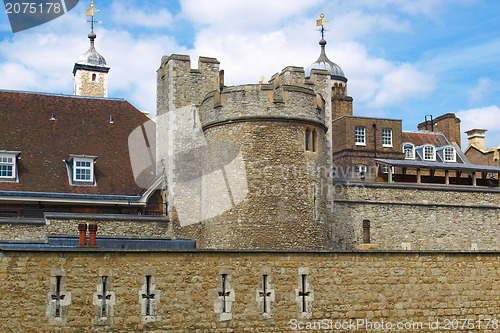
261	80
90	12
321	23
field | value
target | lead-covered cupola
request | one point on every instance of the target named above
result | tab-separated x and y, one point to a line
337	74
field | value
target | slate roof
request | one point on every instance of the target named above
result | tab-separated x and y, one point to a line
81	127
439	165
423	137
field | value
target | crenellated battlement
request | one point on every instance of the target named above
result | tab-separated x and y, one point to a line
284	101
179	85
184	61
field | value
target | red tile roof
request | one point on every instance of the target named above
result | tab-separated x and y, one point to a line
82	127
423	137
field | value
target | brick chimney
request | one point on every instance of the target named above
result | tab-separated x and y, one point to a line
476	137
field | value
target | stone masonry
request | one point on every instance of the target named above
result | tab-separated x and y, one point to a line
417	218
416	289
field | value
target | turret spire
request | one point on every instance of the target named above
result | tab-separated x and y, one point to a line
90	70
323	62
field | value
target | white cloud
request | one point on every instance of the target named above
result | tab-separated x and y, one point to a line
17	77
485	86
134	61
243	14
127	13
403	82
374	82
430	8
487	117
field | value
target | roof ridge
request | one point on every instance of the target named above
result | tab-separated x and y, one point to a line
61	95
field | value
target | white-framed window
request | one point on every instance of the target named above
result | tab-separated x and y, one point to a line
385	169
83	170
429	153
360	168
8	165
359	136
449	154
409	150
386	137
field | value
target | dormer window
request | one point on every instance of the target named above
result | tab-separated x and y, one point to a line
8	165
449	154
81	169
429	153
409	150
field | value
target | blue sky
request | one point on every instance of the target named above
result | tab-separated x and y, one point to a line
404	59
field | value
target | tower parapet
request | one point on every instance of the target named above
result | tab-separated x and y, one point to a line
264	102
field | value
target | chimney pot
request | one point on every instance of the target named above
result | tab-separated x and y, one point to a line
82	228
92	234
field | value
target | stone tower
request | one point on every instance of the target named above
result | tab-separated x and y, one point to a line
245	166
90	71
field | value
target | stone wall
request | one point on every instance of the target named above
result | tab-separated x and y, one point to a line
422	291
22	229
267	199
417	217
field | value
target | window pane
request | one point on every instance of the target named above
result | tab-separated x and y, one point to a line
7	166
429	153
408	150
387	137
308	138
313	141
359	135
449	154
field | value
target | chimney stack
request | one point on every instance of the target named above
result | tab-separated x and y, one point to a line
476	137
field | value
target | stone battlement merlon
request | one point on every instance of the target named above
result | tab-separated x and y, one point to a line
295	76
204	63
